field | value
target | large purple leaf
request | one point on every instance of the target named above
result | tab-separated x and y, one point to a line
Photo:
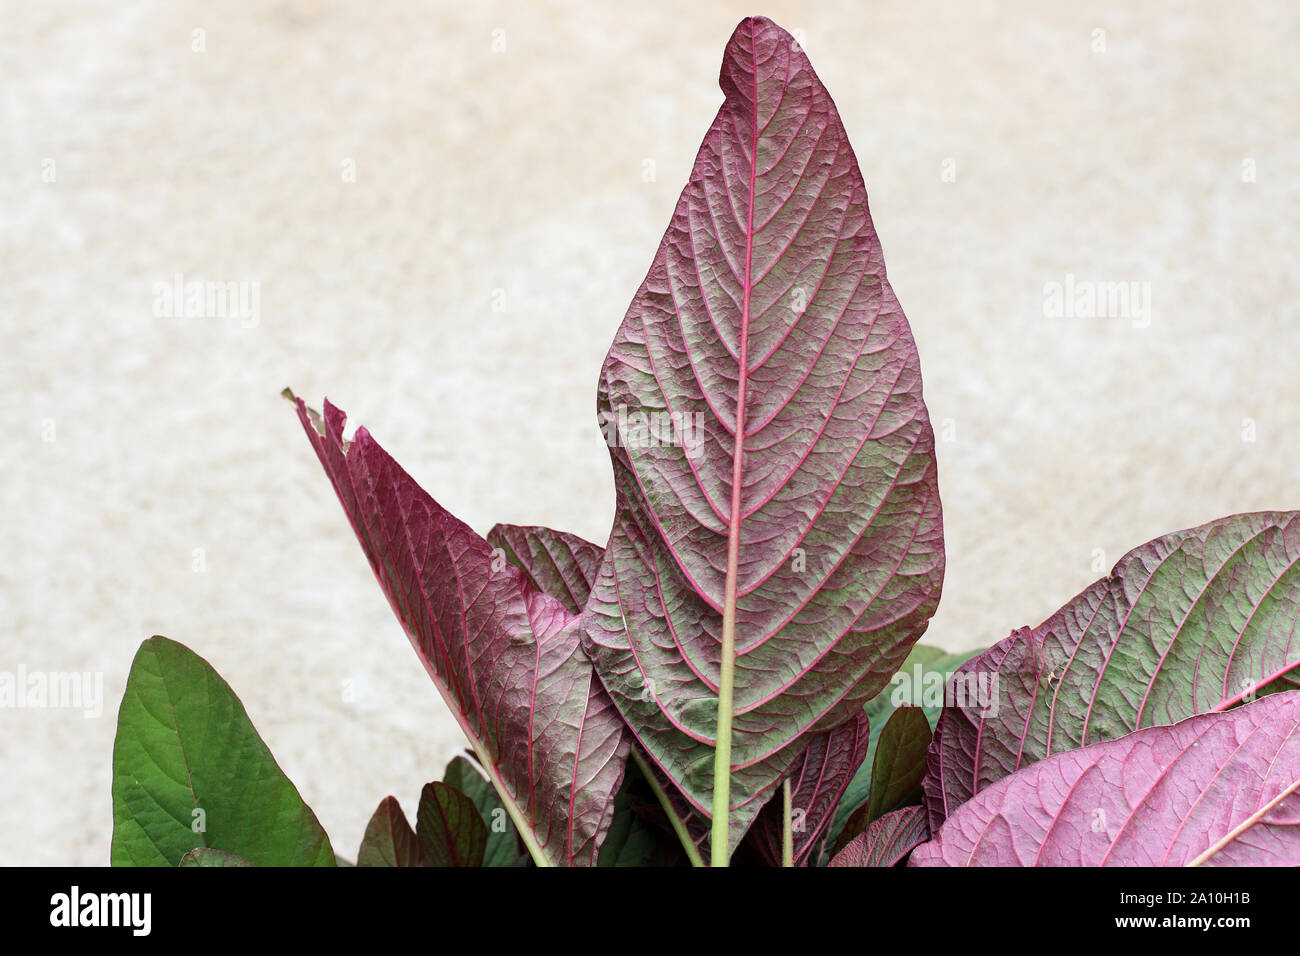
504	655
762	400
1217	789
1192	622
886	841
817	784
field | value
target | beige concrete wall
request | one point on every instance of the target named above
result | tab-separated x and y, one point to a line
522	171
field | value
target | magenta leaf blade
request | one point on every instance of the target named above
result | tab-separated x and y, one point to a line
504	655
1218	789
887	841
1193	622
764	382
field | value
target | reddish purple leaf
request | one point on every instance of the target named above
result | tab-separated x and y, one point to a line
389	839
817	784
764	382
504	655
558	563
887	841
1218	789
1192	622
564	566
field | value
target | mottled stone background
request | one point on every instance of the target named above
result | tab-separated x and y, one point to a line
458	296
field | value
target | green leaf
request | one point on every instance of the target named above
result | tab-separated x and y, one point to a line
922	681
503	846
899	764
450	829
190	771
389	839
202	856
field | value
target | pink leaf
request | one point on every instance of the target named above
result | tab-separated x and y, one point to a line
1218	789
1192	622
886	841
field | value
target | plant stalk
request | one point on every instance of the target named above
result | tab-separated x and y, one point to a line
787	831
718	838
692	852
516	813
1244	825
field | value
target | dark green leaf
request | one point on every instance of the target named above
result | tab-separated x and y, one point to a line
632	840
503	846
899	763
450	829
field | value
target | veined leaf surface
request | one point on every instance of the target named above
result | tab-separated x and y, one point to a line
762	400
817	784
504	655
503	848
449	828
389	839
190	772
558	563
886	841
1193	622
1217	789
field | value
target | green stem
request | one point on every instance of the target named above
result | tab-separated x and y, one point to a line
787	832
692	852
718	839
512	807
726	679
